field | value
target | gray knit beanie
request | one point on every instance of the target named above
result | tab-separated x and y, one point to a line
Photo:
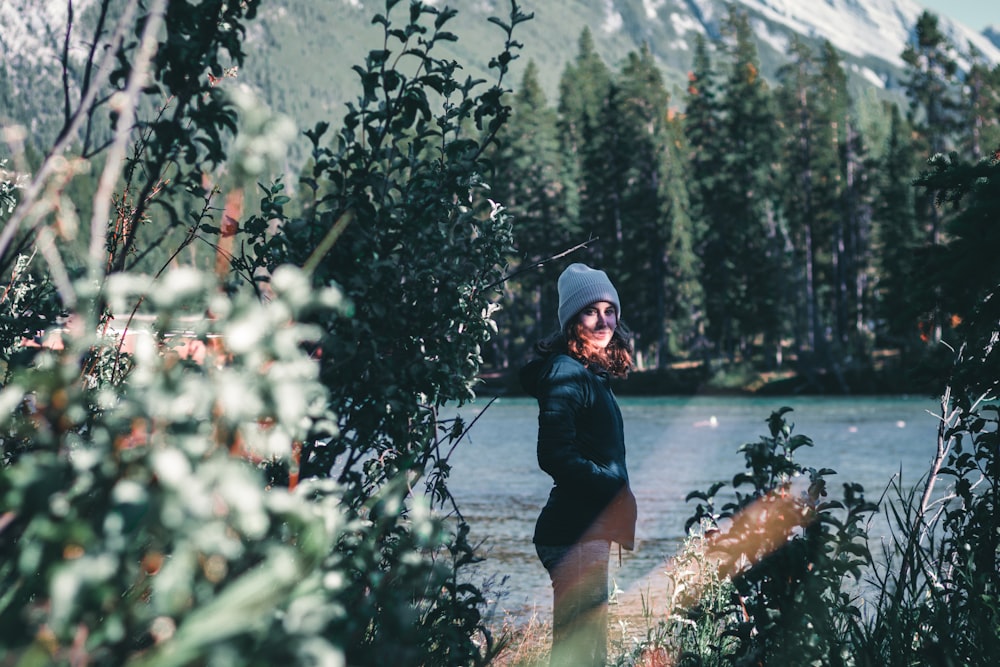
579	286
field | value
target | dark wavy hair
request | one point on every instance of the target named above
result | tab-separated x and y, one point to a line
615	359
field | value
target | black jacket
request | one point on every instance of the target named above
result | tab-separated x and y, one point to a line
581	445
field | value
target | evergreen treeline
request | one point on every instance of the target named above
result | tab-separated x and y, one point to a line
770	224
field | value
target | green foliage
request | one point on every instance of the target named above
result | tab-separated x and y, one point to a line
147	513
743	245
779	223
962	268
979	106
9	184
789	552
897	237
820	293
192	117
531	176
162	508
395	211
127	517
827	213
654	241
584	94
933	83
399	219
938	602
27	307
930	596
936	583
693	628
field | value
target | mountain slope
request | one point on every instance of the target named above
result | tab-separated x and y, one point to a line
878	28
319	41
300	52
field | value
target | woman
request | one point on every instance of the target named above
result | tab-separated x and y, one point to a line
581	445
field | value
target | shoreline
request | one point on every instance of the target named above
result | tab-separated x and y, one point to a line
701	379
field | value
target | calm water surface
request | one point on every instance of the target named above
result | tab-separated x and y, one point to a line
675	445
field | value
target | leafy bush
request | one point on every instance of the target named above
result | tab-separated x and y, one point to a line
394	211
936	582
789	552
259	504
692	629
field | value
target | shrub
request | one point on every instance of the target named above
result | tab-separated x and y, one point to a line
789	552
261	505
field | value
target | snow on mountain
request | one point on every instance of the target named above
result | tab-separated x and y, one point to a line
992	33
879	28
866	32
31	31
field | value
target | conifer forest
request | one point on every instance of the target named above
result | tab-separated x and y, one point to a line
780	224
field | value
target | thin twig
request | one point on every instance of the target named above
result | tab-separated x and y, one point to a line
88	71
15	276
188	239
943	447
128	323
67	112
542	262
328	242
116	155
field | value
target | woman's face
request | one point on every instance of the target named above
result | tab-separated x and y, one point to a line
597	323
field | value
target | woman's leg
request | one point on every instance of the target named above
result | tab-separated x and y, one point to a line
579	575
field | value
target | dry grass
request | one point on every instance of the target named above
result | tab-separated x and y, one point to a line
630	615
526	643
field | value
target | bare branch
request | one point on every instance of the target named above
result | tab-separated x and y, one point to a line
57	268
126	104
88	71
541	262
65	61
37	184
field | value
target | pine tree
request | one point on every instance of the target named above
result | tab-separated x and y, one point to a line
744	245
798	109
528	180
604	180
858	257
897	237
701	125
652	206
703	151
844	160
982	109
932	85
682	298
827	207
934	112
584	94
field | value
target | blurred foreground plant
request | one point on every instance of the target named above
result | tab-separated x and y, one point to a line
133	522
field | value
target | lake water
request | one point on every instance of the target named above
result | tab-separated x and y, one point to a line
675	445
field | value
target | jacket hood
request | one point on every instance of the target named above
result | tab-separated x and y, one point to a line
530	373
